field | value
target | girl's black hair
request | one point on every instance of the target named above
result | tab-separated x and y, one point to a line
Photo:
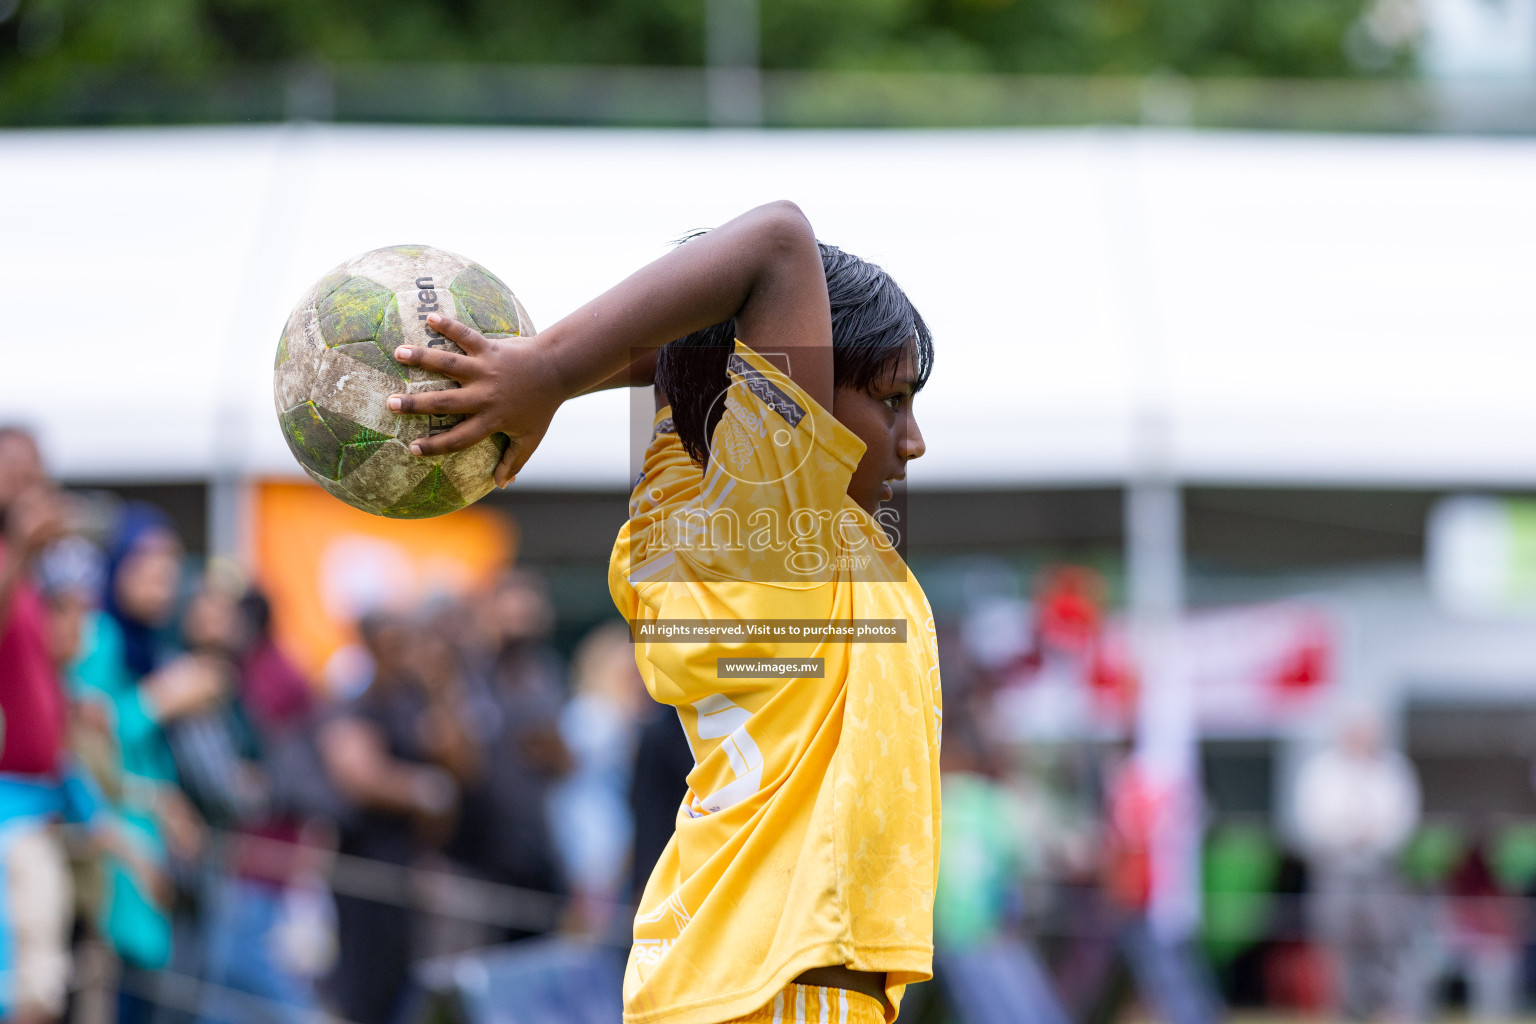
873	323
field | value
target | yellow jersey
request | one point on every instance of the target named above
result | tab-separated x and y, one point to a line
809	833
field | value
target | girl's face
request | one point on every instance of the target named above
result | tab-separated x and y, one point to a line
881	415
148	578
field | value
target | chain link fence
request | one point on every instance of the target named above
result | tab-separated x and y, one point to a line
683	97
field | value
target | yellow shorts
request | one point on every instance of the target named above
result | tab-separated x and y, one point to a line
815	1004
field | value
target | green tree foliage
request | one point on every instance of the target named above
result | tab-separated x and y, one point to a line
193	36
46	44
1280	38
1257	37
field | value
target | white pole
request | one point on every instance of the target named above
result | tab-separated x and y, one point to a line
1167	736
1167	740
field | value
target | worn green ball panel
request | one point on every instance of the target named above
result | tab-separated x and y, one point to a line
356	390
337	490
435	495
484	302
391	336
330	282
351	309
369	354
310	440
291	383
354	455
349	431
293	331
387	476
471	470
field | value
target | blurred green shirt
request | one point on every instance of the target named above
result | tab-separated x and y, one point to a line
983	861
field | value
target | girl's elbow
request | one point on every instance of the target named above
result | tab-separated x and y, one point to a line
785	226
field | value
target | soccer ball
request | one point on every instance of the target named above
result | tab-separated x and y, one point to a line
336	366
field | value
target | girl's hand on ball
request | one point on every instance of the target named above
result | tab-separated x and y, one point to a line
506	385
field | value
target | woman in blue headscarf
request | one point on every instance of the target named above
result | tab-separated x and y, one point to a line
134	682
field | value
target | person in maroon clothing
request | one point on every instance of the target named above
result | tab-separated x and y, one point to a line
35	895
274	690
29	684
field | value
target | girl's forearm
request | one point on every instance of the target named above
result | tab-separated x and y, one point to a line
639	374
757	268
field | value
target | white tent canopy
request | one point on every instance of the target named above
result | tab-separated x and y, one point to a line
1230	307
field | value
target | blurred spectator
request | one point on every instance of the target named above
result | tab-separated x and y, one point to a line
1240	868
1357	802
271	876
215	747
1296	975
1168	971
590	807
274	691
449	921
129	688
505	832
68	574
983	842
382	752
35	894
987	970
134	685
658	786
1485	937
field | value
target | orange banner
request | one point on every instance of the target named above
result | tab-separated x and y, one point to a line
324	563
